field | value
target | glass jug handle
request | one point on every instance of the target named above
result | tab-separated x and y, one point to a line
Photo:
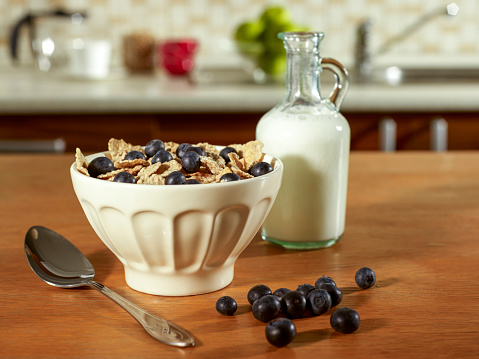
342	80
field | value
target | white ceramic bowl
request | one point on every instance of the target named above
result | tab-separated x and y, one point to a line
177	240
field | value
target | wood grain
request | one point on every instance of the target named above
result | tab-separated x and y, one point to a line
412	217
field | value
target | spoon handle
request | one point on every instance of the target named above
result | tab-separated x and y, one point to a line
158	328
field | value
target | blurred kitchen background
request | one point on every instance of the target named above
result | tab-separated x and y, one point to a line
214	21
399	110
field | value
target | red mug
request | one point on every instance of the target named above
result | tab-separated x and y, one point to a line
177	56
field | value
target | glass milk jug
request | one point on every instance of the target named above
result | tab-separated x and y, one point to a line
312	139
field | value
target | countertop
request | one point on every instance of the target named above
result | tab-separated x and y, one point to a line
25	91
411	216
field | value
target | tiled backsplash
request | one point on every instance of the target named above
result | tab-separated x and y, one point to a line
213	21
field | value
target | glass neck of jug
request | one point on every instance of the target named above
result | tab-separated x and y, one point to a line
303	66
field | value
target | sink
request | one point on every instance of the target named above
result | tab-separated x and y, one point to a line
397	75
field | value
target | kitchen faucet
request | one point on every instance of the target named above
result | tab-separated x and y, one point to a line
363	56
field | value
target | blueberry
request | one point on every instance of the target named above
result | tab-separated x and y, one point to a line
175	177
134	155
293	304
280	332
258	291
226	305
224	153
153	147
196	149
180	151
192	181
345	320
124	177
334	292
319	301
365	278
261	168
266	308
305	289
100	166
280	292
191	162
322	280
161	156
230	177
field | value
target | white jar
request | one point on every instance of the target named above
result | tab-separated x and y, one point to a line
312	139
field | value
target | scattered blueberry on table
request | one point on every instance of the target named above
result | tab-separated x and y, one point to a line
345	320
317	300
258	291
280	332
322	280
335	293
226	305
365	278
266	308
280	292
294	304
305	289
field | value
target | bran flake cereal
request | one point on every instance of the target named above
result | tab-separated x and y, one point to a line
131	163
236	161
110	175
119	148
253	153
212	166
156	173
81	163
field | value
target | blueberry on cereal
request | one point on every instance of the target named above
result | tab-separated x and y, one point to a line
260	169
175	177
135	155
153	147
230	177
180	151
191	162
225	151
196	149
124	177
99	166
161	156
192	181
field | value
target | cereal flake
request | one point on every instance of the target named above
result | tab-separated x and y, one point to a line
119	148
81	162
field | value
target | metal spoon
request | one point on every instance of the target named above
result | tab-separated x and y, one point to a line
59	263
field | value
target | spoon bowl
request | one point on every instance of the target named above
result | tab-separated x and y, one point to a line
56	260
59	263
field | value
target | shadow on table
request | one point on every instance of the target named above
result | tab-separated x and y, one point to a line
383	283
317	335
103	261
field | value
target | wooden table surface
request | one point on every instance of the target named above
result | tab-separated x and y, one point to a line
412	217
